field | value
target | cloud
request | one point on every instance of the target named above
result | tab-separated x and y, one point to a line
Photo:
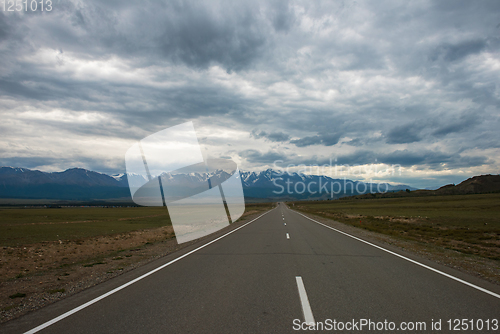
233	35
413	84
255	156
435	159
197	37
458	125
454	52
273	136
324	139
4	28
408	133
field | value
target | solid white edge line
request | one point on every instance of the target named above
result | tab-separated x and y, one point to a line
306	307
95	300
408	259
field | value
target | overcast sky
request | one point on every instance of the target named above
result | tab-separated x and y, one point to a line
375	83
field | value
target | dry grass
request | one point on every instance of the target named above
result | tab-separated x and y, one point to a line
466	223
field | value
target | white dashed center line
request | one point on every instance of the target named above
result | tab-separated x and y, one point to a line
306	308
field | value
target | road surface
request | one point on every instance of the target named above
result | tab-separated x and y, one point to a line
275	274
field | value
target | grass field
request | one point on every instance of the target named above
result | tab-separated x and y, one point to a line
466	223
21	226
30	225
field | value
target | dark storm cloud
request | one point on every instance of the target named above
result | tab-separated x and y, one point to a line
272	136
198	39
437	160
307	141
410	158
16	89
282	16
464	123
255	156
195	34
408	133
437	126
355	142
198	34
453	52
323	139
4	27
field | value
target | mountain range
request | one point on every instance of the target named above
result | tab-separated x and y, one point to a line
79	184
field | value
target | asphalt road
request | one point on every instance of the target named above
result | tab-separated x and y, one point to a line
262	277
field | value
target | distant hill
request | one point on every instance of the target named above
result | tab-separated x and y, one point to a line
482	184
475	185
78	184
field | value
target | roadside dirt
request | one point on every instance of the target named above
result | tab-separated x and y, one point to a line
36	275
